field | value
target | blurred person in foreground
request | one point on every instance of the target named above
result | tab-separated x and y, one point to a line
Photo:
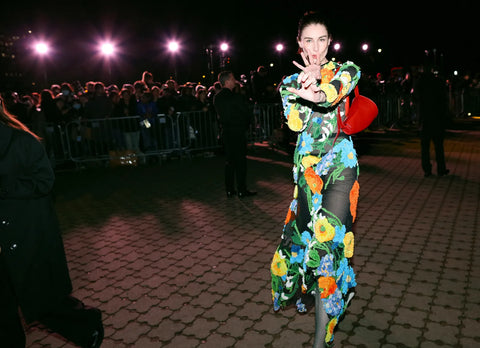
235	119
33	268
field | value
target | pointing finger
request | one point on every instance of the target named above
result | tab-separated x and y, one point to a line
299	66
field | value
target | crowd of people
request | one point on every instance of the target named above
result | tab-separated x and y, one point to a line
64	103
145	98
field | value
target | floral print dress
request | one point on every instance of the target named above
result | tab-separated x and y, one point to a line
317	240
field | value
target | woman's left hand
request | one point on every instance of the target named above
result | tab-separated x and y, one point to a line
309	89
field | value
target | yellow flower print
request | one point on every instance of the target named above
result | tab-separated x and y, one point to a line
294	121
330	92
330	327
309	161
324	231
348	241
279	266
295	192
330	65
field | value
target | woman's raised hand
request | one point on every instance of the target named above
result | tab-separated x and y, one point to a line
309	89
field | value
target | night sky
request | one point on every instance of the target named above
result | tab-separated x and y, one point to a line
141	29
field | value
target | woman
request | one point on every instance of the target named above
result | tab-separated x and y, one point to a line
317	243
33	269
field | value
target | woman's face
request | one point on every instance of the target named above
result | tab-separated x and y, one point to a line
314	42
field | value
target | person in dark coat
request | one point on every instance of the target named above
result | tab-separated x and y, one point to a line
235	119
33	268
431	98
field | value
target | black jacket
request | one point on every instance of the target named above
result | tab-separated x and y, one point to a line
30	241
232	111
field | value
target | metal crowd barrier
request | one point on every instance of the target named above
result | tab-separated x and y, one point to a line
133	139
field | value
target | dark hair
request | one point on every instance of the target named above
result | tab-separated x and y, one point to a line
309	18
223	77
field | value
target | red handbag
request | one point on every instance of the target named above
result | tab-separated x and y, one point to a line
358	116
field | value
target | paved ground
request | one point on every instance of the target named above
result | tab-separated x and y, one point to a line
173	263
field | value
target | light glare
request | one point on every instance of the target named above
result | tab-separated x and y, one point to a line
41	48
224	46
173	46
107	48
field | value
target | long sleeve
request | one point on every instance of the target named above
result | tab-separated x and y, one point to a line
338	84
296	110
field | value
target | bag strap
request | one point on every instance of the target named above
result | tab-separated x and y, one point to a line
340	124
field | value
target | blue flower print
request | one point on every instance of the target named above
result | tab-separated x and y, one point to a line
325	163
290	78
298	254
341	276
295	174
293	206
301	308
326	266
318	120
339	234
334	303
316	201
305	145
350	278
306	238
276	305
348	153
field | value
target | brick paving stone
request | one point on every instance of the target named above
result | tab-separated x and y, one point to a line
146	342
365	337
181	265
376	319
201	328
400	334
121	318
218	341
253	310
182	341
236	297
155	315
447	334
411	316
445	315
290	338
256	339
271	324
131	333
166	330
220	312
235	326
384	303
206	300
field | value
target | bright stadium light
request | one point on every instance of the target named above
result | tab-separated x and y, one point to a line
337	46
224	46
173	46
107	48
279	47
42	48
365	47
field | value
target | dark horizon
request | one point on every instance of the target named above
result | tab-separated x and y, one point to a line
403	33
